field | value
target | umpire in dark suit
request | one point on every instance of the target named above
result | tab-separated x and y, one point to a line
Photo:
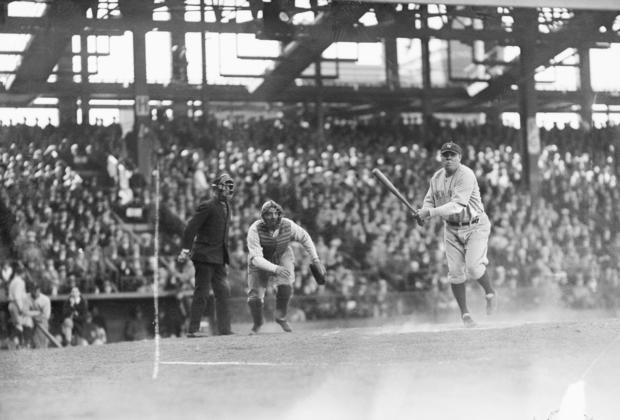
206	234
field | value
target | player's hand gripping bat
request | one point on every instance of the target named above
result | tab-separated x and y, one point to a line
386	181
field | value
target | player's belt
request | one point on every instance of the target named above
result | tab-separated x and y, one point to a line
461	224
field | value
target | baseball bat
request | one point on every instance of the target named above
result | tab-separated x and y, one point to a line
386	181
48	335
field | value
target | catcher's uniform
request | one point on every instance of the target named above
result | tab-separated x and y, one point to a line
269	249
456	199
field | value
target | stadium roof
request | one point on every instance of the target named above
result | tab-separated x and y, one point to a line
38	40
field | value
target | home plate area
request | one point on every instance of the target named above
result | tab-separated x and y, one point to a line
506	370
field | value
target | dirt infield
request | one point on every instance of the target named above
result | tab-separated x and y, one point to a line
401	370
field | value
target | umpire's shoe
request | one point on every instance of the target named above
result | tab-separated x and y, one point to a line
284	324
468	321
491	299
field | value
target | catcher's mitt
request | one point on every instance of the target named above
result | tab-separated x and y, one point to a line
318	272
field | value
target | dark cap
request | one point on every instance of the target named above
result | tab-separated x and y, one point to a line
223	179
451	147
268	205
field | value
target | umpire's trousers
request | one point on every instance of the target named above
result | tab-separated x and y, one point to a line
210	275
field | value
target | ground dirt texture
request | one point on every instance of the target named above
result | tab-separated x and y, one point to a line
387	369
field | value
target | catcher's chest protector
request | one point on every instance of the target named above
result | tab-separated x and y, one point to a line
273	247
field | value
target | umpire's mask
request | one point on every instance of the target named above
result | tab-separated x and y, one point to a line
271	213
224	186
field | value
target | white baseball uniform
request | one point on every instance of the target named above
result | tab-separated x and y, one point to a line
456	199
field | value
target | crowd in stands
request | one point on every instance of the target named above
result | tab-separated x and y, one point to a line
60	214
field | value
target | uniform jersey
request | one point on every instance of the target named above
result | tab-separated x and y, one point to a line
456	198
43	306
265	248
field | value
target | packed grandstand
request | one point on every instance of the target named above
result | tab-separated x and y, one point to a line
76	212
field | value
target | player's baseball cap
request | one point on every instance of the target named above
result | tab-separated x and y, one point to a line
451	147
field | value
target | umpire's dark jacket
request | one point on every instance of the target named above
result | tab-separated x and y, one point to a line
206	232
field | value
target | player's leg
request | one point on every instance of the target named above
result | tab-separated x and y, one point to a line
257	282
476	261
210	312
221	291
202	277
455	255
283	296
18	330
284	290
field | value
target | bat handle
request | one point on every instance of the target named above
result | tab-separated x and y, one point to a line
417	217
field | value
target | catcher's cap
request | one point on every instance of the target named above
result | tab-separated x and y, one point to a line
451	147
269	204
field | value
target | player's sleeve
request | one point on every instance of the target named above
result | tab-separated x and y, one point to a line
463	188
255	251
300	235
429	201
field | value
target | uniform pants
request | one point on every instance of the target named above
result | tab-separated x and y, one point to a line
466	250
210	276
259	281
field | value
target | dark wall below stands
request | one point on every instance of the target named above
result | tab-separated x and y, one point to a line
117	308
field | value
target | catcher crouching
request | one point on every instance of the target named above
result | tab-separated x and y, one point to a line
271	262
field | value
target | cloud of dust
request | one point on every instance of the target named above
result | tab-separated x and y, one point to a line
395	394
573	404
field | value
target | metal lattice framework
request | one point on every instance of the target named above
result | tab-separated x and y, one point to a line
546	31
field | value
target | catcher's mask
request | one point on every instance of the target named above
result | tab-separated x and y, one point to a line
224	185
271	213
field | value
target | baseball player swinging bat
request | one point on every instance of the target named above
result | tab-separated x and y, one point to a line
386	181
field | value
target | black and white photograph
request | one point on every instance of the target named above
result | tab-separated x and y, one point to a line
310	209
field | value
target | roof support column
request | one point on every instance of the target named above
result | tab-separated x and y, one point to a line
142	109
320	107
587	95
179	58
67	103
84	96
390	51
203	47
528	29
427	106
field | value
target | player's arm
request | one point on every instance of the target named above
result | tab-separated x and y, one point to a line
30	311
427	204
255	251
302	236
448	209
429	201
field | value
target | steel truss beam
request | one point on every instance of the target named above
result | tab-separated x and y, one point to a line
374	33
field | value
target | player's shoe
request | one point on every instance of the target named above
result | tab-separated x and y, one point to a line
255	329
491	299
284	324
468	321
